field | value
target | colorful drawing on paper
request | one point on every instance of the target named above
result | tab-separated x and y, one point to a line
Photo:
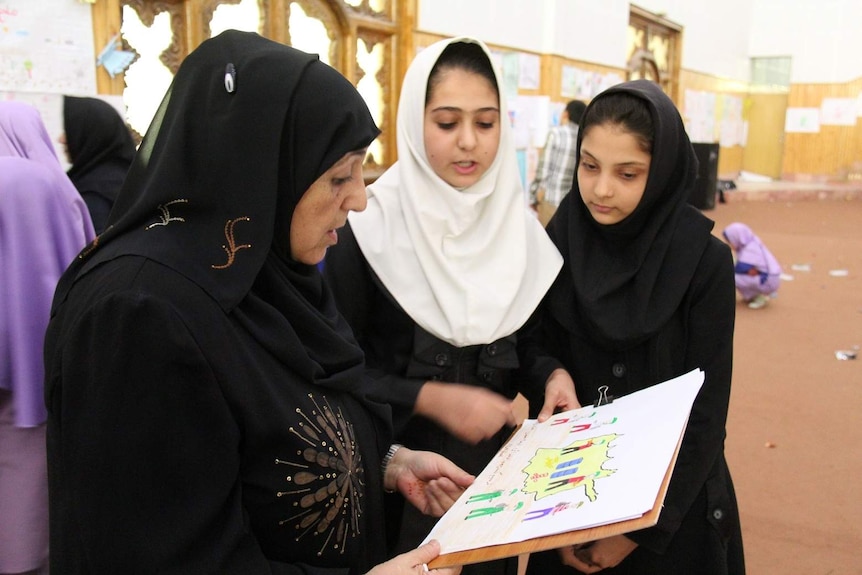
554	470
580	469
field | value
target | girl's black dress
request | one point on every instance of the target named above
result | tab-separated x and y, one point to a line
401	357
640	302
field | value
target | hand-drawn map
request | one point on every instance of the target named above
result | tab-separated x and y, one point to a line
579	469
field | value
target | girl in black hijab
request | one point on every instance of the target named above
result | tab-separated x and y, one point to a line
100	148
207	403
647	294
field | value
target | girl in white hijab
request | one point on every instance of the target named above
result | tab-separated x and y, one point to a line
444	267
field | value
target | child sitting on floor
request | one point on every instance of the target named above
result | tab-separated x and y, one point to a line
758	273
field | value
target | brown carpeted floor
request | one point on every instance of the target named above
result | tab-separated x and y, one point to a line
794	437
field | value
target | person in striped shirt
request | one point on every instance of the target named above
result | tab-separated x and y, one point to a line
557	164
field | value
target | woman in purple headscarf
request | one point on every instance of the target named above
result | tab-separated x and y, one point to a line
758	273
43	224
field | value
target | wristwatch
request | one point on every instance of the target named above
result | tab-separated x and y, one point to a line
385	463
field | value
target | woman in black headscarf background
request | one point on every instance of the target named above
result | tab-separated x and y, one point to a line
647	294
207	403
100	148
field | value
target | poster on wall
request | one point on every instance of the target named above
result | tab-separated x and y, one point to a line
530	70
838	112
699	115
732	126
569	82
47	46
510	69
802	120
580	84
530	116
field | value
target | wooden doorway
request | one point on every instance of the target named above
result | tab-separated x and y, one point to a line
764	150
654	50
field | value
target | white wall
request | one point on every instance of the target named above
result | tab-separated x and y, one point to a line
823	37
511	23
565	27
590	30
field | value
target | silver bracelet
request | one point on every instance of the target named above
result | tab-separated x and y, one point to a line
385	463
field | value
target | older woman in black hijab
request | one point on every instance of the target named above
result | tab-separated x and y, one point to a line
207	403
100	148
647	294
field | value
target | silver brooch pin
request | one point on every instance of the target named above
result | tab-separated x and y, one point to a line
230	78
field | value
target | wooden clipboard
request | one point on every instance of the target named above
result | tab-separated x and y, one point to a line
491	552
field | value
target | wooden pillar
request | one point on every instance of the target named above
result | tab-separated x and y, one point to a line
107	20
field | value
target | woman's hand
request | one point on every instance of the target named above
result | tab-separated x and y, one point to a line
597	555
560	394
414	562
468	412
429	481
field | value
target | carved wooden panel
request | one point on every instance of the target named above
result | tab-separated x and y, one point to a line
207	9
352	26
364	7
653	50
147	10
328	14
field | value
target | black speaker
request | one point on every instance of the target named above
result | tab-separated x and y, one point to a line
702	195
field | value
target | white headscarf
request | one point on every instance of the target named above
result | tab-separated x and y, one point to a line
469	266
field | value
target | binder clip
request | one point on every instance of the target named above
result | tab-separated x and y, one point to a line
603	398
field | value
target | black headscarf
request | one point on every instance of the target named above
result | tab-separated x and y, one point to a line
100	146
625	280
246	127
